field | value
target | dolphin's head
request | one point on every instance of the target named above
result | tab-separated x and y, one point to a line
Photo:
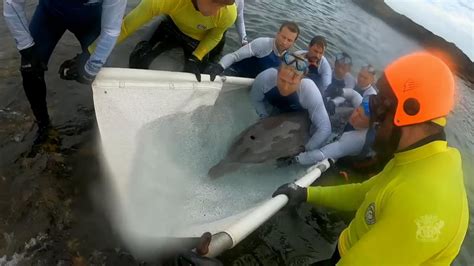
271	138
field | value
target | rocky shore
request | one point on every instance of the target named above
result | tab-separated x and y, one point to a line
460	62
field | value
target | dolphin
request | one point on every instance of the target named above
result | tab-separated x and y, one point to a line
268	139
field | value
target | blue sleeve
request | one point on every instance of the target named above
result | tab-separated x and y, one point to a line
311	100
112	14
262	83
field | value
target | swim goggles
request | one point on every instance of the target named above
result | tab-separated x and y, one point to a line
298	63
343	58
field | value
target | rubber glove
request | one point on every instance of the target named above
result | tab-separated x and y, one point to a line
193	65
296	194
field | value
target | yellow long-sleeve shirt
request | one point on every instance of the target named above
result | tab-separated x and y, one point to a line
206	29
414	212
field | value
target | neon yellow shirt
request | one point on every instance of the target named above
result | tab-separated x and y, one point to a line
414	212
208	30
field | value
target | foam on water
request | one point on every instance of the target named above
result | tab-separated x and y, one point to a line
171	186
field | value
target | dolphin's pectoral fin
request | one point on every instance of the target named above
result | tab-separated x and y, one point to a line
222	168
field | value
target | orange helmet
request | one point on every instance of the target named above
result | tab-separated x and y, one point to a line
424	87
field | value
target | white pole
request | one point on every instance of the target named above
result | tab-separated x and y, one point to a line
246	225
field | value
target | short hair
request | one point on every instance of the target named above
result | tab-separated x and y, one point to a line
292	26
225	2
369	68
319	40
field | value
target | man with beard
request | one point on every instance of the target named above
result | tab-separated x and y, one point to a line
319	69
415	210
259	55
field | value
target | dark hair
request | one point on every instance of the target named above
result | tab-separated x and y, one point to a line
225	2
319	40
292	26
370	68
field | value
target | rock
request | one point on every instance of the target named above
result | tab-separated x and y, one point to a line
461	64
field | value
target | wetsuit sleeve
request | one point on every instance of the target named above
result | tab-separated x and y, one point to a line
350	143
214	36
112	14
143	13
343	197
349	81
257	93
15	17
352	96
405	236
240	22
258	47
311	100
326	73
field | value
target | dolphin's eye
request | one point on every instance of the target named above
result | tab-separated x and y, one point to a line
252	137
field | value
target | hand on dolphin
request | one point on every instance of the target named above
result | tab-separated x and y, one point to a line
286	161
296	194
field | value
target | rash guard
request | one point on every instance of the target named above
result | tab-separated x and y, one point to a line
414	212
209	30
307	97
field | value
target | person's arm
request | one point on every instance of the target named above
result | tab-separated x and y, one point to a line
15	18
349	81
263	81
240	22
112	14
311	100
326	73
215	35
352	96
343	197
140	15
350	143
258	47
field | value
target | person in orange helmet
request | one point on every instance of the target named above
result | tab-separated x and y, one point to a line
415	210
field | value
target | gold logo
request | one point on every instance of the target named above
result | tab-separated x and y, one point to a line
428	228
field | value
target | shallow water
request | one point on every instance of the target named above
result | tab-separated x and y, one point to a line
310	235
368	40
307	235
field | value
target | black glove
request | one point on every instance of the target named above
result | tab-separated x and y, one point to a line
296	194
286	161
193	65
139	58
31	62
333	92
331	107
73	69
214	70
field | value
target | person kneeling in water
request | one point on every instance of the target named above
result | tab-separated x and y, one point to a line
286	90
198	26
355	141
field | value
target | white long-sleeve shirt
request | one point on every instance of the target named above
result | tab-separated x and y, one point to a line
240	22
350	143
